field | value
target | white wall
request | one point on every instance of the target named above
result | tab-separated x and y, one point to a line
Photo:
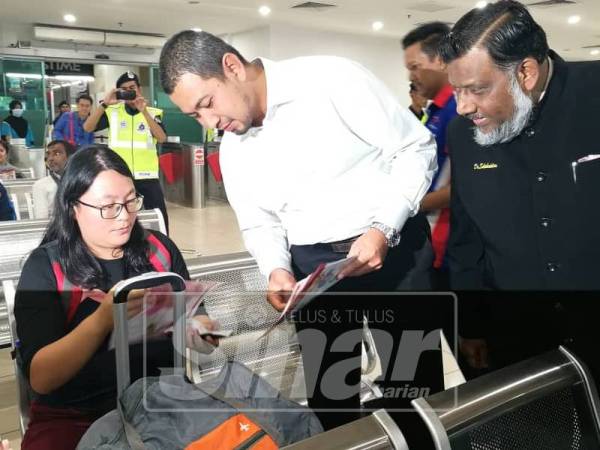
253	43
382	56
105	76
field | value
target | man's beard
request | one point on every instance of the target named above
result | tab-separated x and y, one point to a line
510	129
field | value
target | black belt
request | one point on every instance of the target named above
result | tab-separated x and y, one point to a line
340	246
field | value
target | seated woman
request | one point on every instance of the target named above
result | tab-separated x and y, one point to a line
7	170
18	127
93	241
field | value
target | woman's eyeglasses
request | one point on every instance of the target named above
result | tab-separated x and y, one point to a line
113	210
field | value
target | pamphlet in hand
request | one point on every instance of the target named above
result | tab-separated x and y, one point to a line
199	329
324	277
158	308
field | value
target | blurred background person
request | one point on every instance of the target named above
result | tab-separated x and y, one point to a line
44	189
7	209
19	127
428	75
7	170
63	107
70	125
135	129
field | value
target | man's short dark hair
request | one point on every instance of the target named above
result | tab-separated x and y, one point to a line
198	53
429	35
64	102
505	29
85	97
69	148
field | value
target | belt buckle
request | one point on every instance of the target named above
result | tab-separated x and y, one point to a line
342	247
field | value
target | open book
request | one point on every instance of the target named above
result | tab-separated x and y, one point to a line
324	277
156	318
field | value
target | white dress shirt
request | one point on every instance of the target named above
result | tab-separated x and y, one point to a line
44	191
335	153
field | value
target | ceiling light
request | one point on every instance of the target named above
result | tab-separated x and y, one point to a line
595	52
69	18
197	30
377	25
35	76
264	10
574	19
76	78
481	5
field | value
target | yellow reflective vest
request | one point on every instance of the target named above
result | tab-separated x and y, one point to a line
131	138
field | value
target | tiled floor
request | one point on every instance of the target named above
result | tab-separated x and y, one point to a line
9	416
209	231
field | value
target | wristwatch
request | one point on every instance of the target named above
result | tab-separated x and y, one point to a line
104	105
391	234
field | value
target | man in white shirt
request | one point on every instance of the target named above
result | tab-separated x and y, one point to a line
319	161
44	189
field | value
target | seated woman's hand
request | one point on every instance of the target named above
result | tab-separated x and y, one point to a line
135	305
198	334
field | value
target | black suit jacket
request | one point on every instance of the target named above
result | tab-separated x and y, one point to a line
524	218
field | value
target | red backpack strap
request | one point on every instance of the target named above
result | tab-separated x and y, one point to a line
159	256
72	128
70	294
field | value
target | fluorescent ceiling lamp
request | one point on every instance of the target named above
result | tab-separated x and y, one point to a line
69	18
35	76
264	10
377	25
197	30
481	5
574	19
595	52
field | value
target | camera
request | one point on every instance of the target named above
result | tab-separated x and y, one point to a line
125	94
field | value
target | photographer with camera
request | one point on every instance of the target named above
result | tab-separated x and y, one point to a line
134	130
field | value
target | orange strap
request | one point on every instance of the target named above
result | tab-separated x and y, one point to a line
235	433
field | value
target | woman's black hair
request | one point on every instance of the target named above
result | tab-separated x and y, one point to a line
14	103
5	145
76	259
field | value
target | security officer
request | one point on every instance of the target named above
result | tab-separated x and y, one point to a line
525	188
134	131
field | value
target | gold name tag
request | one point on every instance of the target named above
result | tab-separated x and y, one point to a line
484	166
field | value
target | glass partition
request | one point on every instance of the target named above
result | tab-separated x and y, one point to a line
23	80
176	123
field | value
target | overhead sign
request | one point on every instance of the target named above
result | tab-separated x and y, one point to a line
54	68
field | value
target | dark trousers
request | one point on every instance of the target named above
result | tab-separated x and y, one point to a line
521	325
322	323
153	197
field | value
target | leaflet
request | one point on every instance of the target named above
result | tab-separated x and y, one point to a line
156	318
324	277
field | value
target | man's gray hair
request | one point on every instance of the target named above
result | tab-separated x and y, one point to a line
511	128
